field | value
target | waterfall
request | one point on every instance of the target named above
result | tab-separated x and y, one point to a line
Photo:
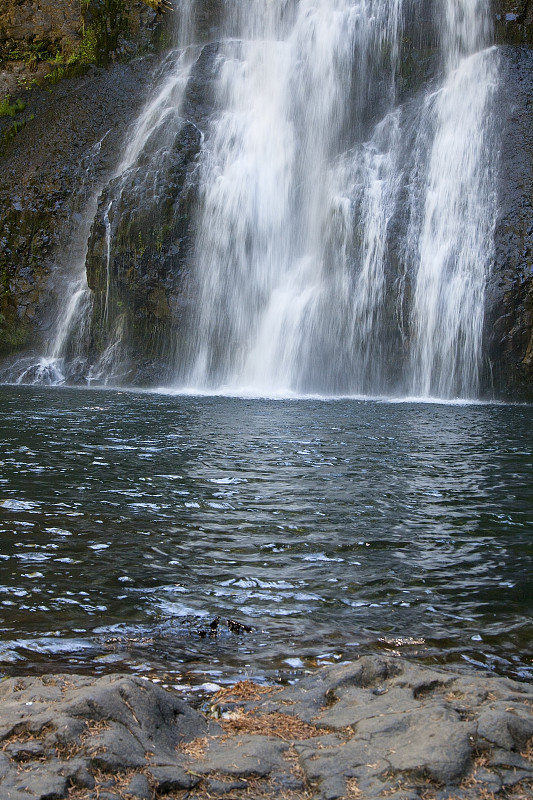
304	177
305	205
64	349
286	293
455	243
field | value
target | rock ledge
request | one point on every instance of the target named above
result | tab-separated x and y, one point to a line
378	727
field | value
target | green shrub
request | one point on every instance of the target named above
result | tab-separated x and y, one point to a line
9	109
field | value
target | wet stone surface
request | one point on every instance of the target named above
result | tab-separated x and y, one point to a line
378	727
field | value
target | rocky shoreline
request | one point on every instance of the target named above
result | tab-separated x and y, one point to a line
377	727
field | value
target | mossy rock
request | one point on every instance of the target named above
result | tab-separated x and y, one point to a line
514	22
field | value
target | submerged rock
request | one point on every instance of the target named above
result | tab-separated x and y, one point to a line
378	727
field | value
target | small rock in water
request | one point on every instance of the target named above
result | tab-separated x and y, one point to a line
234	626
210	687
238	627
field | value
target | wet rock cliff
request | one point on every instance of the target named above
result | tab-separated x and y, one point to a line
509	321
72	77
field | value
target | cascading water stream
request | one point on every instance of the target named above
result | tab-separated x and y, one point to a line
142	166
68	329
147	145
455	243
277	283
302	178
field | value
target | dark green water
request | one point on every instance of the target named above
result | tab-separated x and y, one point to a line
128	521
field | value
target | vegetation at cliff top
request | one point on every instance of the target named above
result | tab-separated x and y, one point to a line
100	32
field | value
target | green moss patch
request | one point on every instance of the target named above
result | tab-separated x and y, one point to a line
9	109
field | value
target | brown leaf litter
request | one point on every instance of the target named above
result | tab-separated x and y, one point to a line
242	692
284	726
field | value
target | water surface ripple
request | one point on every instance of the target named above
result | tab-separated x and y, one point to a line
129	520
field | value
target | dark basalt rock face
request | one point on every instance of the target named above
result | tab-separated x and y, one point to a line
44	22
48	172
513	21
58	141
509	322
509	305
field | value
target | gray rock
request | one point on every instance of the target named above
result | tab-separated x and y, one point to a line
169	779
157	717
355	705
510	759
244	756
25	751
5	765
78	725
516	776
39	783
505	729
116	749
10	792
332	787
488	781
287	782
68	732
139	788
77	772
219	788
430	740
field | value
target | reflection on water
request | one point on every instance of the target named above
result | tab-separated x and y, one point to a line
128	521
